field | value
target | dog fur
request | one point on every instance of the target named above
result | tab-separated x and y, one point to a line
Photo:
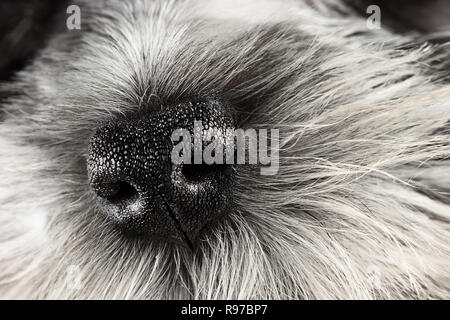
360	208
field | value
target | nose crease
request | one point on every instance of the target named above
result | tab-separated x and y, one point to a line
177	223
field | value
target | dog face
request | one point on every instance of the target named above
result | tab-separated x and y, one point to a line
356	209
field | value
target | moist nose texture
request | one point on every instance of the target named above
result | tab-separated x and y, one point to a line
142	191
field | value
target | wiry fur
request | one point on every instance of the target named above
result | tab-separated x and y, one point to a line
364	176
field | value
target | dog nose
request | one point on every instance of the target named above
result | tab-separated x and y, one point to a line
142	190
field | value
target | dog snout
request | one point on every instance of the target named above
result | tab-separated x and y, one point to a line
139	186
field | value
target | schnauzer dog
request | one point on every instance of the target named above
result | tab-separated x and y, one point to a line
92	207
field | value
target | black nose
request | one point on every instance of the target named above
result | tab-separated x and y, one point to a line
143	190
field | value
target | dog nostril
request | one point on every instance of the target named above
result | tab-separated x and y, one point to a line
122	192
198	173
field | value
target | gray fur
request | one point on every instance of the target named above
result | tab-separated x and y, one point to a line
364	180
